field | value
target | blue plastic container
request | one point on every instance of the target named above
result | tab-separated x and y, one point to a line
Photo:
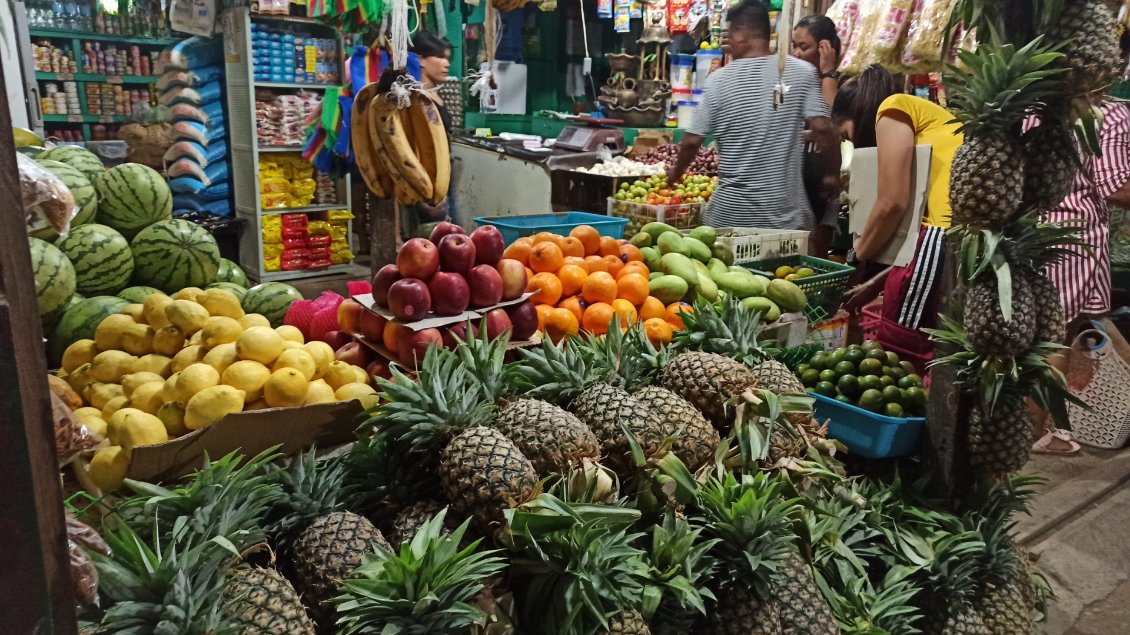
868	434
514	227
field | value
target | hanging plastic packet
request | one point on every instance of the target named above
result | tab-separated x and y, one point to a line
893	20
47	202
679	16
925	39
635	11
604	8
622	23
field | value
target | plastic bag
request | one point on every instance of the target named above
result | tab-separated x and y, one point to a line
80	540
860	51
46	200
894	18
72	438
926	35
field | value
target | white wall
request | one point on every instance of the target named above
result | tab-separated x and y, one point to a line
10	63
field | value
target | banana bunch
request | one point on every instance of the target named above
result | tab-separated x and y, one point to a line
508	5
401	153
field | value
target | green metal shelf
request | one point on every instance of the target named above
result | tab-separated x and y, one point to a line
103	37
293	85
96	77
85	118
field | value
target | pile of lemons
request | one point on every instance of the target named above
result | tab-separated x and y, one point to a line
180	363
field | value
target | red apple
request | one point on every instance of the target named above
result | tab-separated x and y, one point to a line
372	326
444	229
353	353
486	286
524	317
489	245
456	253
409	300
382	281
349	316
513	278
417	344
378	368
458	331
336	339
394	335
418	258
450	293
498	322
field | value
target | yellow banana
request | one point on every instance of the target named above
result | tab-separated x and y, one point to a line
429	139
399	150
363	150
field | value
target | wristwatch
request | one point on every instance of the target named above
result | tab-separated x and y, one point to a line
851	258
830	75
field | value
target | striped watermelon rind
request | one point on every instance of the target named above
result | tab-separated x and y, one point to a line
79	322
231	272
173	254
78	158
271	300
86	198
133	197
137	295
236	290
54	278
102	259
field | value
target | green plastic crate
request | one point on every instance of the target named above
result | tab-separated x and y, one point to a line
825	290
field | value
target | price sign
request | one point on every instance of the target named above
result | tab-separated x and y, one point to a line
74	118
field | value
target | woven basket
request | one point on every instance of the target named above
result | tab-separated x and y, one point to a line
1107	423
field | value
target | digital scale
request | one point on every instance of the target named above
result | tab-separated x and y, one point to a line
591	137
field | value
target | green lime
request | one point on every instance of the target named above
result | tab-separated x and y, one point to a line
800	368
810	377
847	400
825	388
828	375
877	354
855	355
870	382
819	361
845	368
886	371
907	367
893	358
897	373
836	357
869	345
893	410
871	400
886	380
848	386
914	380
892	394
870	366
916	397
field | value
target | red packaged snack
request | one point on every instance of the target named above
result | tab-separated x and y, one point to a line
319	241
319	264
294	243
294	220
295	254
678	16
294	232
319	253
293	264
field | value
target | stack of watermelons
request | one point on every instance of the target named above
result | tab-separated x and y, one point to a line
123	233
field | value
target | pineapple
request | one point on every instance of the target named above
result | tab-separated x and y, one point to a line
731	330
803	609
1089	36
988	332
483	473
1051	161
775	377
261	601
411	519
628	623
680	568
1049	308
1000	439
553	439
950	582
741	612
697	440
708	381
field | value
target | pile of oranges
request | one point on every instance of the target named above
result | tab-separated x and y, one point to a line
584	279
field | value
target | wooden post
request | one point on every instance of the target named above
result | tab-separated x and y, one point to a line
38	596
384	228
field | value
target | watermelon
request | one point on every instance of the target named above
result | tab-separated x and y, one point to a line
133	197
102	259
174	254
78	158
231	272
271	300
79	322
54	278
86	199
137	295
237	290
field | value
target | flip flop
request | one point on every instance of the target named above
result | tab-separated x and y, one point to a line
1042	446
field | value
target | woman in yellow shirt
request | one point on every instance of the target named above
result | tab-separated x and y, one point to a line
871	113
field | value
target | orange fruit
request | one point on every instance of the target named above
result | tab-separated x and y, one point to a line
614	264
652	308
599	287
633	288
560	323
626	311
573	304
589	237
530	273
609	246
633	267
597	316
546	237
520	250
574	260
631	253
673	311
543	314
659	331
548	287
572	247
572	278
595	264
546	257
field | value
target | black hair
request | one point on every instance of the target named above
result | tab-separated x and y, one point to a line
751	16
427	44
858	101
821	27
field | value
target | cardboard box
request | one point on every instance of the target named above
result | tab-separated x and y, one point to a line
831	333
788	331
648	140
293	429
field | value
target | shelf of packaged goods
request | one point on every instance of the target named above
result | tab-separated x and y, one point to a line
288	18
260	84
103	37
280	148
274	276
303	210
85	118
96	77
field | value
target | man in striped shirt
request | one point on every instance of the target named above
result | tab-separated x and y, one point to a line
758	113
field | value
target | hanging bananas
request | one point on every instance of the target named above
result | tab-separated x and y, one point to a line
376	177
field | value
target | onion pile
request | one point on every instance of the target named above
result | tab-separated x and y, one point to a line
705	162
621	166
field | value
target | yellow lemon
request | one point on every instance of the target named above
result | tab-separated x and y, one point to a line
80	378
132	381
79	353
109	366
319	392
254	319
148	397
86	412
339	373
189	293
322	354
248	376
130	427
114	405
192	380
364	393
290	333
108	333
136	312
95	426
297	359
258	404
212	404
196	339
221	357
168	391
220	302
171	415
362	376
259	343
137	339
287	345
98	394
188	316
168	340
108	467
188	356
220	329
154	310
153	363
285	388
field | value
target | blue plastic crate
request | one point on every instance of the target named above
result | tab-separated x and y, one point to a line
514	227
867	434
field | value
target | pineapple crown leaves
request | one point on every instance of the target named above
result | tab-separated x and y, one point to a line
485	359
758	414
425	589
558	372
1010	21
1001	85
835	533
311	488
730	329
632	358
680	565
862	609
1027	242
382	475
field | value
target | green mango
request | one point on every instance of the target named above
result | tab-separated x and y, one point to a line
741	285
706	235
738	269
786	295
706	286
716	267
655	230
679	265
655	274
723	253
651	257
697	249
668	289
768	309
673	243
699	267
641	240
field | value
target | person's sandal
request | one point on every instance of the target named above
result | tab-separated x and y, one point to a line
1044	444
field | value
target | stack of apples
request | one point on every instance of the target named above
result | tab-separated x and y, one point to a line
443	276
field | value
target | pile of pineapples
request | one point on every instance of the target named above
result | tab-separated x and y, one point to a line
595	486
